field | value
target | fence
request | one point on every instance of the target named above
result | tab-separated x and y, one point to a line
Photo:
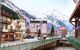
75	42
28	46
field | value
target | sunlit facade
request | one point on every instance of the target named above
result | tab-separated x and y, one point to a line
36	25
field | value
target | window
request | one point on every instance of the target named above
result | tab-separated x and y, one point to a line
4	18
3	12
0	26
8	19
0	17
5	26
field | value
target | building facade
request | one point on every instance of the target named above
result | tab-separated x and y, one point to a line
13	20
36	26
75	20
7	17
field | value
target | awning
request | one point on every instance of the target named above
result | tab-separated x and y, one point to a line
14	14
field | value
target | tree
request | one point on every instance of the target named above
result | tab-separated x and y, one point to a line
39	33
52	31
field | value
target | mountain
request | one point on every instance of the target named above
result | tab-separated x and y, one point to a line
57	23
49	26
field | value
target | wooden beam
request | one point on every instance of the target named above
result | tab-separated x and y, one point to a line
74	11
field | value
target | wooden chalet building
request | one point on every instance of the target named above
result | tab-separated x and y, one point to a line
6	18
75	20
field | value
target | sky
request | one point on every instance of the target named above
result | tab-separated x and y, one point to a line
40	8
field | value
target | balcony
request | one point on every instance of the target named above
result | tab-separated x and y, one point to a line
5	21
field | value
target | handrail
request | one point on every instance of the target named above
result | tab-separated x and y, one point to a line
29	46
75	42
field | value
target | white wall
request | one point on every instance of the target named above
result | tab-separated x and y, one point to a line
22	23
44	28
34	27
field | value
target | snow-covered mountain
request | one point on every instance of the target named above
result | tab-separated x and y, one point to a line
57	23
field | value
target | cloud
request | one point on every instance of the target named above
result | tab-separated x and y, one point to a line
41	8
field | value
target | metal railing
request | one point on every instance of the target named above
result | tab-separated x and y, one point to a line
75	42
29	46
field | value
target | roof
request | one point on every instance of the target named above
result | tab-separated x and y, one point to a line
76	12
27	14
38	21
14	14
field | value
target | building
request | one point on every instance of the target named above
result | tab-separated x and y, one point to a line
38	25
76	1
63	31
24	16
27	17
75	20
15	22
25	21
6	18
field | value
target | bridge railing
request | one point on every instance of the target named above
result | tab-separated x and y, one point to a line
28	46
75	42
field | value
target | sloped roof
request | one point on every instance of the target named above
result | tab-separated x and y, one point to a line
14	14
76	12
27	14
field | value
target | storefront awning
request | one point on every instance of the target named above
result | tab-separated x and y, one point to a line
14	14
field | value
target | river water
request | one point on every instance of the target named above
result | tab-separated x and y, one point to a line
63	48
